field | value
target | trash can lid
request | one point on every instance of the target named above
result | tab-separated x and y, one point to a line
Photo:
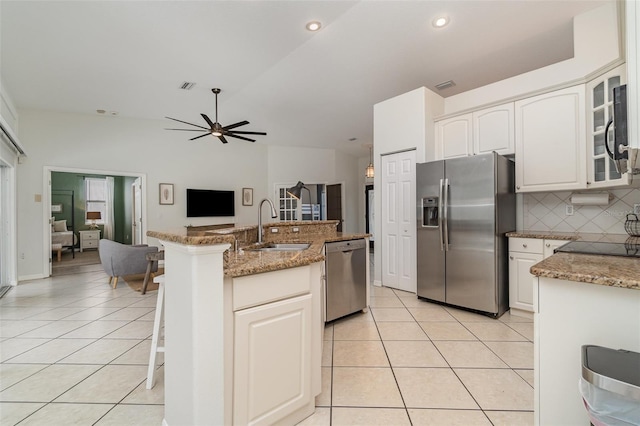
617	371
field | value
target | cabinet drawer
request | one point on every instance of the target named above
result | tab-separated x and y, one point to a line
258	289
550	245
92	236
90	244
526	245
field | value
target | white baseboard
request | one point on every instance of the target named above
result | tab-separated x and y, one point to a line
31	277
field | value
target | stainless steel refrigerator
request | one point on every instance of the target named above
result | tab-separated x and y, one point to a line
465	207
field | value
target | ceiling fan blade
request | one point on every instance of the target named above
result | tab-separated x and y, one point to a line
222	139
191	130
186	122
240	137
234	125
209	122
249	133
201	136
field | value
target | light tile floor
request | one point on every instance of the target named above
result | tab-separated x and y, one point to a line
74	351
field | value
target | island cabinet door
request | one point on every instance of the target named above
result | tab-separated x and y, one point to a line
272	371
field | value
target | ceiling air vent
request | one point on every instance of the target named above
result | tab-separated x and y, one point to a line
187	85
445	85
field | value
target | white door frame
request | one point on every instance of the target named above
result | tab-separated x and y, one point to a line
404	230
46	205
8	228
136	205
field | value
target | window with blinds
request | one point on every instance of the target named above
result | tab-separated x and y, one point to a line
95	190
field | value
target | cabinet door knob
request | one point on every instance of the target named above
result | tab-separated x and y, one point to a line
517	187
548	245
511	257
524	245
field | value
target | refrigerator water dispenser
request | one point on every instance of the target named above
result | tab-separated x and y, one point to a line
430	212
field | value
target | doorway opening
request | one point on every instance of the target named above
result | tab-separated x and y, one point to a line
369	216
318	201
90	205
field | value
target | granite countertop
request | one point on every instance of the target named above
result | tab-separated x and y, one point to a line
584	236
249	262
613	271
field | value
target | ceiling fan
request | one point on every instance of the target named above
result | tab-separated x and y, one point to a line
216	129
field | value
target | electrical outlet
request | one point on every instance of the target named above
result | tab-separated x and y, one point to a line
22	256
568	210
296	229
636	208
274	230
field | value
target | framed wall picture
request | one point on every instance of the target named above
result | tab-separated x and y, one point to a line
247	196
56	208
166	193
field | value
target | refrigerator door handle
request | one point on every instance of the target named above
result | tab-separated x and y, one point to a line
440	208
445	208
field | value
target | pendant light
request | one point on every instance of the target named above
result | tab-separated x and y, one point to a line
369	171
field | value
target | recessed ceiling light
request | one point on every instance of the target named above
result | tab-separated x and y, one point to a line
314	25
441	21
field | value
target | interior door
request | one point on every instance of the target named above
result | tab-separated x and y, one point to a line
136	214
334	204
398	242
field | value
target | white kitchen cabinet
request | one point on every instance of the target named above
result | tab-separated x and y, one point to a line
521	281
523	254
272	372
454	137
602	172
551	245
573	314
480	132
493	130
551	142
277	341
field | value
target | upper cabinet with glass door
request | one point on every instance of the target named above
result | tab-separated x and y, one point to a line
602	171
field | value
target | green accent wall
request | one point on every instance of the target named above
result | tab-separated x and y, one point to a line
63	184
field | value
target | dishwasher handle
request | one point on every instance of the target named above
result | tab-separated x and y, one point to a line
346	246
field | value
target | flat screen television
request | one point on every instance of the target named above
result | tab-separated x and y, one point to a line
209	202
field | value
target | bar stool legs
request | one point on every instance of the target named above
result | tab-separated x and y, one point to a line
158	322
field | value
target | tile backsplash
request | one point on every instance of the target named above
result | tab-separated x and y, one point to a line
546	211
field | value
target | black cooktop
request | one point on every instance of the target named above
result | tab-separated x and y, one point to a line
607	249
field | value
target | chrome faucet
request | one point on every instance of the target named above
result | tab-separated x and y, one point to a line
274	214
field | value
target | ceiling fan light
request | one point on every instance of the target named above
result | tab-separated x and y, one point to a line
216	133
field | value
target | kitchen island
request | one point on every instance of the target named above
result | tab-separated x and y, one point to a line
581	299
243	328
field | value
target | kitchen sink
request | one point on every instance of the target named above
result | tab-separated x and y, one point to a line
282	247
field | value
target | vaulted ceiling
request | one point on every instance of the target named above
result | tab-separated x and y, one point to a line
303	88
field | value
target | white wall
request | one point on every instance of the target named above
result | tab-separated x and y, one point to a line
136	146
288	165
402	123
129	146
596	45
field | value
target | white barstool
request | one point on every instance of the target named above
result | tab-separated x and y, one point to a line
158	324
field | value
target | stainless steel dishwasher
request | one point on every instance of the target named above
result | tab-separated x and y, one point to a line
346	273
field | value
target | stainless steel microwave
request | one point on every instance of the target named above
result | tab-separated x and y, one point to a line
618	147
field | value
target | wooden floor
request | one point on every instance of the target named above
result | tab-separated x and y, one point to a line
86	261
